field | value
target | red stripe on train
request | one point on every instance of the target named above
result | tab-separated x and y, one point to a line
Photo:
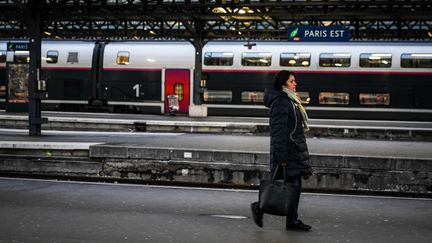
316	71
136	69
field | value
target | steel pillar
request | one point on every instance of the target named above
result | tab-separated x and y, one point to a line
35	31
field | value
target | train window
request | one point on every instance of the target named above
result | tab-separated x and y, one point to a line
375	60
333	98
179	91
374	98
21	57
2	56
256	59
335	60
72	57
252	96
218	58
416	60
295	59
2	91
304	97
122	58
52	56
224	96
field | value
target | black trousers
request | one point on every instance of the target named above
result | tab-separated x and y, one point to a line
295	185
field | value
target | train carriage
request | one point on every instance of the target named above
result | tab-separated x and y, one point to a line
69	69
361	80
138	76
344	80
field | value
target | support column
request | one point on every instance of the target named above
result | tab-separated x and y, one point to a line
198	44
35	31
197	109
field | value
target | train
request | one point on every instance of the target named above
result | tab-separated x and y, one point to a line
350	80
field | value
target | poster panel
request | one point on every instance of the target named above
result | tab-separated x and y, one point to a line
18	75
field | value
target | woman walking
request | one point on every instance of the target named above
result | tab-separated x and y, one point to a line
288	121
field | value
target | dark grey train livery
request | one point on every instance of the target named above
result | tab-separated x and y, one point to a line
360	80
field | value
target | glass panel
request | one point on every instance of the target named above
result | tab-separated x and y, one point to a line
224	96
218	58
252	96
256	59
295	59
375	60
72	57
2	56
335	60
416	60
304	97
179	91
333	98
21	57
52	56
374	99
122	58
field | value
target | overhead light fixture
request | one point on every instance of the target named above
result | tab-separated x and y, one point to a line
219	10
326	22
245	10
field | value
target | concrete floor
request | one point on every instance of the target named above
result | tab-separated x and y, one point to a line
57	211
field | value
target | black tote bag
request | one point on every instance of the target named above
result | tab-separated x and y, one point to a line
274	195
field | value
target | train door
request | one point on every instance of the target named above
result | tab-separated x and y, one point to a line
177	82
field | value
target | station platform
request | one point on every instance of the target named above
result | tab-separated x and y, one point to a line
359	129
40	211
216	160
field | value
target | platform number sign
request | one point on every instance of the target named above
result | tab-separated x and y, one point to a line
136	87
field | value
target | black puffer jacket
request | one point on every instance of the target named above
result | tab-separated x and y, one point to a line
287	139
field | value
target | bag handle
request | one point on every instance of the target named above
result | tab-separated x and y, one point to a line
276	170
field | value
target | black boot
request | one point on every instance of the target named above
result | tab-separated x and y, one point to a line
257	214
298	225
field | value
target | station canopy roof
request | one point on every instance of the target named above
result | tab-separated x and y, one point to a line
216	19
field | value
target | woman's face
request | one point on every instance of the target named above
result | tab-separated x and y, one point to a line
291	83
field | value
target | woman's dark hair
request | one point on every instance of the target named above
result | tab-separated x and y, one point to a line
281	78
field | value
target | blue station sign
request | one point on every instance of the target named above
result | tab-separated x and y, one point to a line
334	33
17	46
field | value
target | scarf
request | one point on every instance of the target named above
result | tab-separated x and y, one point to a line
292	95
